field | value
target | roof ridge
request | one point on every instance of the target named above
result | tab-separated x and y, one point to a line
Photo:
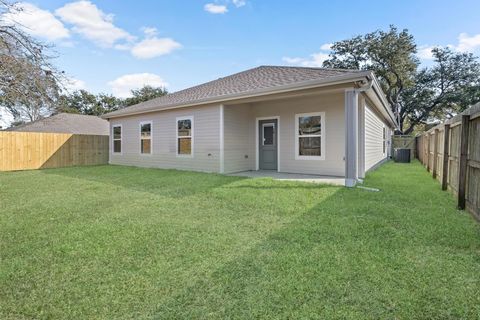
73	114
313	68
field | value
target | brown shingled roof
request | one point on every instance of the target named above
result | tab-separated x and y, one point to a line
253	80
67	123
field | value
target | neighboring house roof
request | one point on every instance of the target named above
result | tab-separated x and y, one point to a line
258	81
67	123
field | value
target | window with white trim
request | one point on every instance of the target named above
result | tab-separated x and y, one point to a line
309	136
117	138
146	137
185	136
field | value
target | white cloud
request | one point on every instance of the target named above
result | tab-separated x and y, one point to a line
239	3
425	52
37	22
326	46
93	23
468	43
465	43
154	47
6	118
215	8
150	31
315	60
73	84
122	86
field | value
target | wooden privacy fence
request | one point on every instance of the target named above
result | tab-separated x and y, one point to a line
451	152
35	150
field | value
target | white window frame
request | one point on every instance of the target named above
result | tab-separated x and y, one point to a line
191	137
140	137
121	139
322	136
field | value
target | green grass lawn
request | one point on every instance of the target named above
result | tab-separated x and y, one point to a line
114	242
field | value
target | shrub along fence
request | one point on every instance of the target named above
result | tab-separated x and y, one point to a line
35	150
451	152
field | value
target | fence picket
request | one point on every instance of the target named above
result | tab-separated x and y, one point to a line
34	150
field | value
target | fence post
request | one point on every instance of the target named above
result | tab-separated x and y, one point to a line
446	156
435	153
428	151
462	169
425	146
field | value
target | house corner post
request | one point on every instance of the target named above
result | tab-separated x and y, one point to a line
222	139
351	137
361	138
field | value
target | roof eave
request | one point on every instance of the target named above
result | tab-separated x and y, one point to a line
257	93
380	96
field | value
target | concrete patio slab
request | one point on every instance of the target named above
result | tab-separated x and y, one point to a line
340	181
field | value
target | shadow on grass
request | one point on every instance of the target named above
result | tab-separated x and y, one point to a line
165	182
354	255
173	183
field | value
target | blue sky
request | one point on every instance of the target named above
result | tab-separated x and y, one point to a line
112	46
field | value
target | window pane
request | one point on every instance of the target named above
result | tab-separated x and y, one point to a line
268	135
117	132
184	128
184	145
310	146
309	125
145	145
117	146
146	130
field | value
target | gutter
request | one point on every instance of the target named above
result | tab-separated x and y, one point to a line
256	93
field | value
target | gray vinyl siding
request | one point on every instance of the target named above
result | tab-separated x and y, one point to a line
240	132
239	143
373	139
206	140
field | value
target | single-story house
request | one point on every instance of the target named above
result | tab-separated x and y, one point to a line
67	123
288	119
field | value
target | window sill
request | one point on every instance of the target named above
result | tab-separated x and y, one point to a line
314	158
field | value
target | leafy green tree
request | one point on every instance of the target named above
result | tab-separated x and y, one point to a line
144	94
389	54
80	101
84	102
446	88
418	96
107	103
